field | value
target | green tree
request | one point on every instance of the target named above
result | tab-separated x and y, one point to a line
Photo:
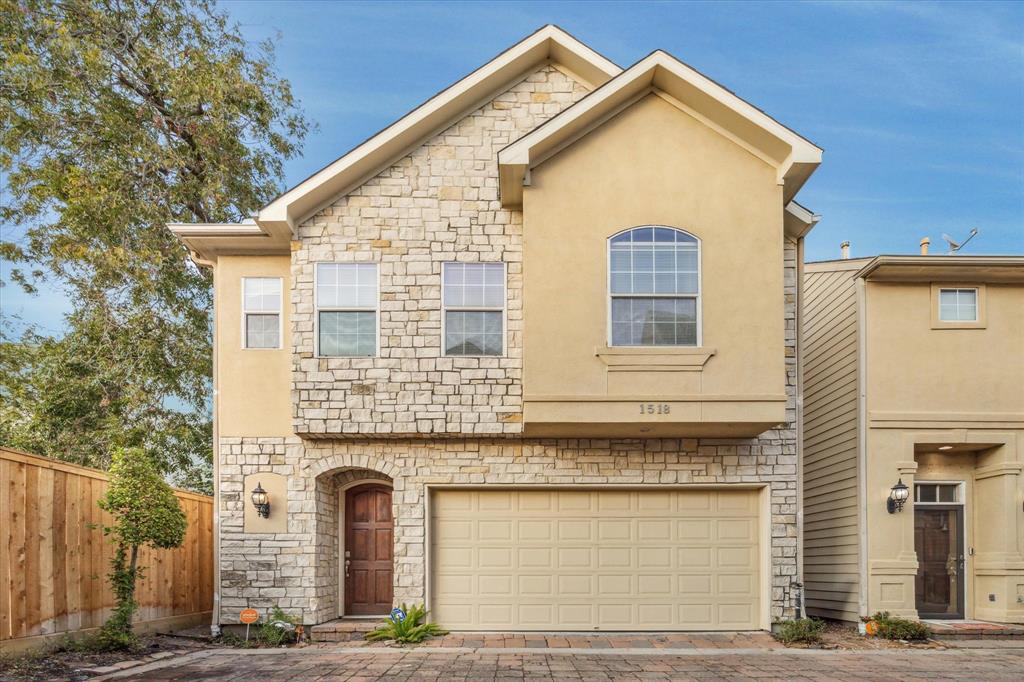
145	513
117	117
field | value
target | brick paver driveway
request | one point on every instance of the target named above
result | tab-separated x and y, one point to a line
467	665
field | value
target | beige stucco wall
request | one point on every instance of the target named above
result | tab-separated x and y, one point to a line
654	164
928	387
253	385
915	368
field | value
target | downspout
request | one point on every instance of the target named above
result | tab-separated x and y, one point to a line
799	323
862	432
215	616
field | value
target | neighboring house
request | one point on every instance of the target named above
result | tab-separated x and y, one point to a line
528	355
914	372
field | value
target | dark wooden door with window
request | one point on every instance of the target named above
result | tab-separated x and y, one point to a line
369	540
939	543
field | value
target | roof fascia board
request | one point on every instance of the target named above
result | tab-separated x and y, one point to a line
935	262
365	160
210	240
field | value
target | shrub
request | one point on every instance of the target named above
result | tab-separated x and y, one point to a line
145	512
408	631
278	629
805	630
894	627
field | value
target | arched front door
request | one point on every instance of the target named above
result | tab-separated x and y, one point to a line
369	542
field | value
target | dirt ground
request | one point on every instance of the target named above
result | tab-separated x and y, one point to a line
68	661
841	636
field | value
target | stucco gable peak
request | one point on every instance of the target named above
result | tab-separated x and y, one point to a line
794	156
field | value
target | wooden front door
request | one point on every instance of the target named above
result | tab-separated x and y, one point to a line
939	586
369	540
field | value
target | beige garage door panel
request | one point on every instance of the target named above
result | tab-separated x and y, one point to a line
612	560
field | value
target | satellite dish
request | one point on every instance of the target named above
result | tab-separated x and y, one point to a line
955	246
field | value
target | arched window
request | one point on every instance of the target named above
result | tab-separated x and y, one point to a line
654	287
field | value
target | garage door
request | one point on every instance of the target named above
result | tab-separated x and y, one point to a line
595	559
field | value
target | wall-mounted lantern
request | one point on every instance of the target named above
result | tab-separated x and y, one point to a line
261	500
897	497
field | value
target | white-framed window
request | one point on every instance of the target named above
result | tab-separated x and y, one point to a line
473	296
654	287
261	312
346	309
958	305
929	492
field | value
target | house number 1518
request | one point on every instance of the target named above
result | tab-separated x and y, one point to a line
655	408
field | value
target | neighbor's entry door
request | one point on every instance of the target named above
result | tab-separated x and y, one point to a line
939	543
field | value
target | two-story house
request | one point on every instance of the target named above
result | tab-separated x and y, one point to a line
913	451
527	355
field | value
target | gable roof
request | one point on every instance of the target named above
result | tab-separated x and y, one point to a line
549	44
274	225
792	155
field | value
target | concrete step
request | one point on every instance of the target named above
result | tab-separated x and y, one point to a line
343	629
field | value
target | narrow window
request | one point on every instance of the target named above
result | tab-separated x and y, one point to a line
654	286
346	308
474	308
958	305
261	312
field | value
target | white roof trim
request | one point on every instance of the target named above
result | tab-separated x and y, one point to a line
799	220
794	156
550	43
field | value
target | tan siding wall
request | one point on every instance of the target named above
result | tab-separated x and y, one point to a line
831	567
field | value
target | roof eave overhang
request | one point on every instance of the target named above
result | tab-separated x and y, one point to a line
209	241
991	269
550	44
798	220
794	157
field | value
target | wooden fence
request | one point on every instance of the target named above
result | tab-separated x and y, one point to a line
54	558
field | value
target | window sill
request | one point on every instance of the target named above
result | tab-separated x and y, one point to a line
654	358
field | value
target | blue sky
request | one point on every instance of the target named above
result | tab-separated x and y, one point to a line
919	106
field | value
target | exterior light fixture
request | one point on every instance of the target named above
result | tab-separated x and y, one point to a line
897	497
261	500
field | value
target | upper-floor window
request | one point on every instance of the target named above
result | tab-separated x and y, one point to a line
261	312
346	309
958	305
654	287
474	308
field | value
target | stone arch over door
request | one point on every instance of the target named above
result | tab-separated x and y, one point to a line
331	476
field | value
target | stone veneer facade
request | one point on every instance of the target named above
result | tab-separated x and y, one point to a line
418	418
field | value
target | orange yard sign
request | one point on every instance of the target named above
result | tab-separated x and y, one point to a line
249	616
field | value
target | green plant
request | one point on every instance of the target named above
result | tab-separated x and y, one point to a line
278	629
805	630
145	512
894	627
407	631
